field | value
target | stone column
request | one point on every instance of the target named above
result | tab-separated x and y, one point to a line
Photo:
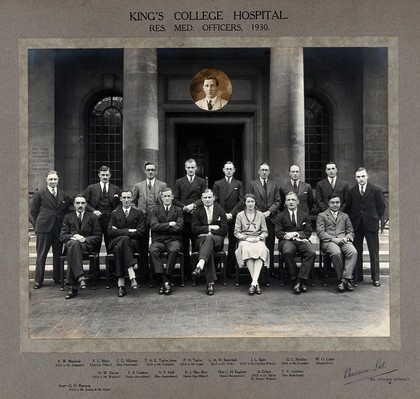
40	116
286	136
140	122
375	115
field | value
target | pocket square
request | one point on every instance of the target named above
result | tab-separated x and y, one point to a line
116	195
218	219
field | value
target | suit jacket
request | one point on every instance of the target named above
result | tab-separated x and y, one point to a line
272	202
229	196
186	193
140	194
323	190
219	102
45	210
93	194
135	220
305	195
90	229
327	227
159	223
200	224
284	224
369	208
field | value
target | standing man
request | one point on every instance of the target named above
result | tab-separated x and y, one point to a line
209	227
366	205
303	190
102	199
267	194
187	195
46	214
125	230
166	224
336	234
147	198
211	101
80	234
331	184
293	229
229	194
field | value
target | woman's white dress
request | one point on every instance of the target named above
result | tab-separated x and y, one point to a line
255	226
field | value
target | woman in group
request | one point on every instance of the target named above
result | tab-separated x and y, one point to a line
251	232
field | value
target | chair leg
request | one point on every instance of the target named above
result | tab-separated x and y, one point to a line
236	274
281	271
181	266
62	273
223	260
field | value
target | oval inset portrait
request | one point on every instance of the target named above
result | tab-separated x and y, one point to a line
210	89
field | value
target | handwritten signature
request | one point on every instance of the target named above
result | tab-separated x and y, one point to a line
380	368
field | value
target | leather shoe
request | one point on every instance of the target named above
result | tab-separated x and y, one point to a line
121	291
168	288
134	284
376	283
347	286
340	287
196	272
210	289
162	290
82	283
303	287
37	286
257	289
251	290
296	289
72	293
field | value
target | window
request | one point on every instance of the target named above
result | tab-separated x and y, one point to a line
105	139
317	140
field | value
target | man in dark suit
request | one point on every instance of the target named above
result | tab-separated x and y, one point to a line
166	224
209	227
187	195
229	194
303	190
267	194
147	198
126	228
366	205
293	229
331	184
46	214
336	235
80	234
103	198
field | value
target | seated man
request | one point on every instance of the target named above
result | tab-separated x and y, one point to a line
126	228
80	234
293	229
209	227
336	234
166	224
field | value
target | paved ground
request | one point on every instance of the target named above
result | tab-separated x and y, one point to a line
231	312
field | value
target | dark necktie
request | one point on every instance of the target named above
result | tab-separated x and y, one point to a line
191	180
265	185
150	186
104	190
332	184
295	187
209	105
228	181
362	190
293	219
53	192
79	218
126	213
167	209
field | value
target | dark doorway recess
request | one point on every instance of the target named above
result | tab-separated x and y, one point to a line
211	146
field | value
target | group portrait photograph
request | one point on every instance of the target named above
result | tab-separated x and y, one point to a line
208	192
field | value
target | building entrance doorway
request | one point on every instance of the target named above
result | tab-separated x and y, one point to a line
211	145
